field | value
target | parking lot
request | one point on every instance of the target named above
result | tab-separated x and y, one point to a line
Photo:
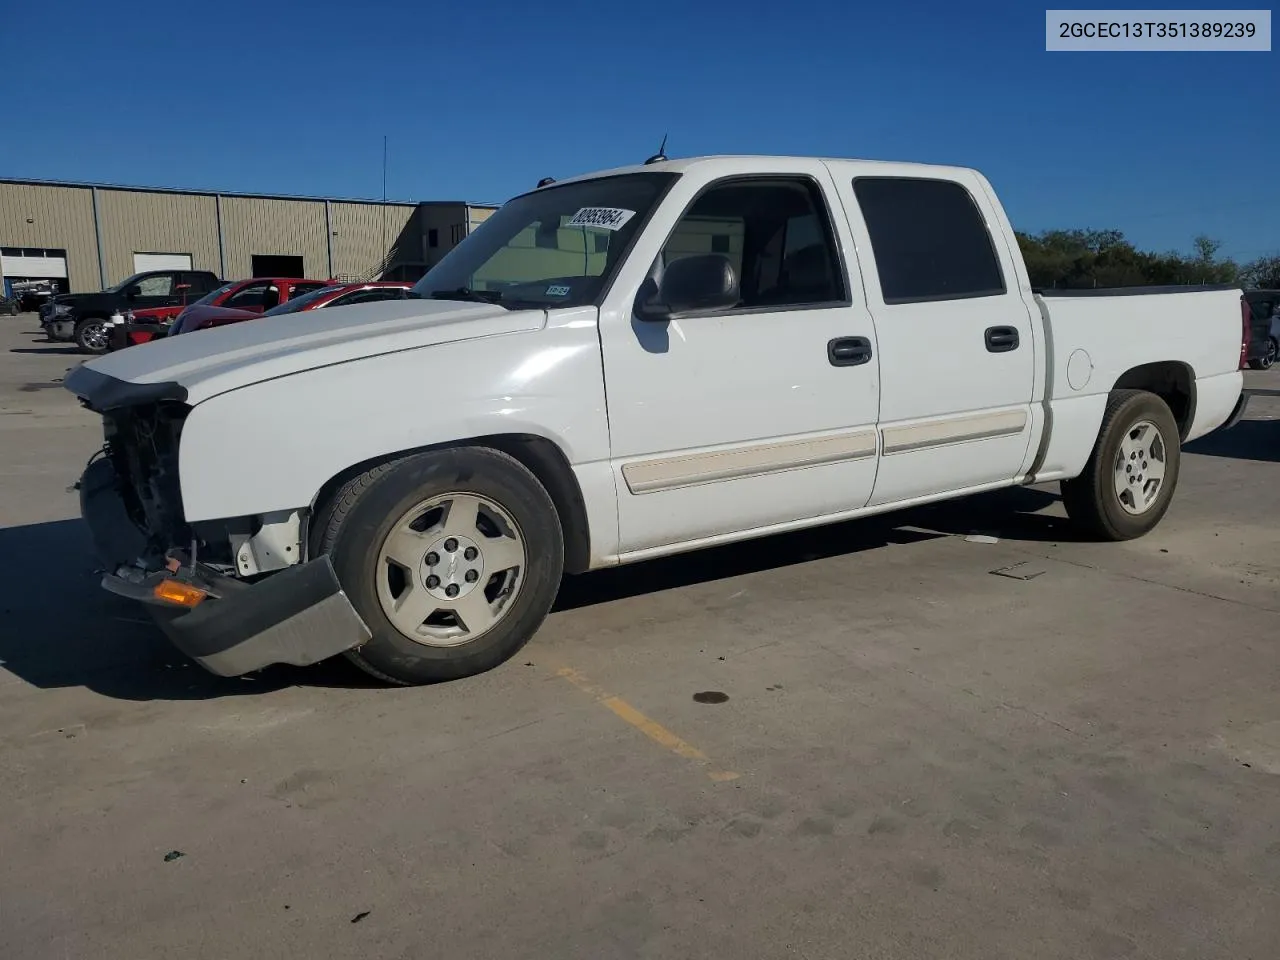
886	738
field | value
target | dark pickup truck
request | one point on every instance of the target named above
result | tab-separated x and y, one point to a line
1264	328
82	317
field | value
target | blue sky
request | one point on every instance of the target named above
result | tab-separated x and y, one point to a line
480	99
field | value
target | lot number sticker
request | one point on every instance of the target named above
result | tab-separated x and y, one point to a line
606	218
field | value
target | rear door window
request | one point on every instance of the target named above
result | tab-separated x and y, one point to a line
252	296
929	240
369	296
302	289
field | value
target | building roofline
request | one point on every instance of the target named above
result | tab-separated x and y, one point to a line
83	185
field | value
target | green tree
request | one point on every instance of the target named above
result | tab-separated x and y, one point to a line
1104	258
1262	274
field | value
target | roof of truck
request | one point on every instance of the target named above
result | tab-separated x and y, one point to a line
749	163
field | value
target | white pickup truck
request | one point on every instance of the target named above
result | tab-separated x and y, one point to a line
617	367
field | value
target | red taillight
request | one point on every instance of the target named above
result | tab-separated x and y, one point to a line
1245	316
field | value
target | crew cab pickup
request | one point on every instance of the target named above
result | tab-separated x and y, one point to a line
616	367
84	318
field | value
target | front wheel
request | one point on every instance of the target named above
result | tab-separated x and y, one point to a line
1129	480
91	335
453	558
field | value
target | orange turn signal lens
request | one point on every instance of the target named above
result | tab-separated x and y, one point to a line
183	594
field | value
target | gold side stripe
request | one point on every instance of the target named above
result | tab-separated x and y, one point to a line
960	430
650	476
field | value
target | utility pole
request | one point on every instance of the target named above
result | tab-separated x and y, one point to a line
385	252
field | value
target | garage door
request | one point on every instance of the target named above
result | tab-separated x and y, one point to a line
31	263
161	261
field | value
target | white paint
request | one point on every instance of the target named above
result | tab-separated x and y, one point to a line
935	432
502	372
650	475
725	426
161	261
704	383
1079	370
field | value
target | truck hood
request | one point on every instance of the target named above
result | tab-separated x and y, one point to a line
98	298
203	364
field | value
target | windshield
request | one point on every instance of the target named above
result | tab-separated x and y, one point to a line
123	284
301	303
210	297
555	247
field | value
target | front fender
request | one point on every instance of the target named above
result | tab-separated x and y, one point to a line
272	445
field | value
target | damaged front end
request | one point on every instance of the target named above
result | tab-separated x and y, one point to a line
235	595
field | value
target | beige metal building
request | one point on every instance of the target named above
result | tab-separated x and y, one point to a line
87	236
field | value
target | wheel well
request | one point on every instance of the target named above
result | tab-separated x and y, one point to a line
1172	381
540	456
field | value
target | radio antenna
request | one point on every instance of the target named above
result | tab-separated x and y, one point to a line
661	154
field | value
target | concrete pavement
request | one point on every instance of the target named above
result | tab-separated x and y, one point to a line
912	757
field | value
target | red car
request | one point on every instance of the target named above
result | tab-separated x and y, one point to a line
250	297
332	295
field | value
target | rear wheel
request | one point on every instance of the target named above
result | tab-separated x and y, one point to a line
453	558
1273	348
1128	482
91	335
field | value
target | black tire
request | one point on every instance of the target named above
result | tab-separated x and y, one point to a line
1091	499
353	524
84	333
1266	361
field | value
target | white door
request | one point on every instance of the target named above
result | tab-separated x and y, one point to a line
161	261
957	356
33	264
756	415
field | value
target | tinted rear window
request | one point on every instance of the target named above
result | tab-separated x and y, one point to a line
210	297
929	240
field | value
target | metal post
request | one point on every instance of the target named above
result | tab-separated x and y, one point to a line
97	232
222	245
328	237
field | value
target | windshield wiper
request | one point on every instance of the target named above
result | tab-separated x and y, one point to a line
466	293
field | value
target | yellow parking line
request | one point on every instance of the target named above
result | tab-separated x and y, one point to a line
649	727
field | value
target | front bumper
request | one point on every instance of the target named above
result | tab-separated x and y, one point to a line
59	328
129	334
299	615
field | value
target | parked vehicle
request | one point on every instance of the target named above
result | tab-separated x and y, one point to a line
32	294
10	307
1264	335
622	366
246	297
82	317
318	297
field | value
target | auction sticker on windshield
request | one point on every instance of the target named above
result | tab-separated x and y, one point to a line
606	218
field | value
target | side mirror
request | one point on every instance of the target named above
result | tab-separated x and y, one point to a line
133	292
703	282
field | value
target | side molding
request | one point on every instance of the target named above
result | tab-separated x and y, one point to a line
936	433
668	473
